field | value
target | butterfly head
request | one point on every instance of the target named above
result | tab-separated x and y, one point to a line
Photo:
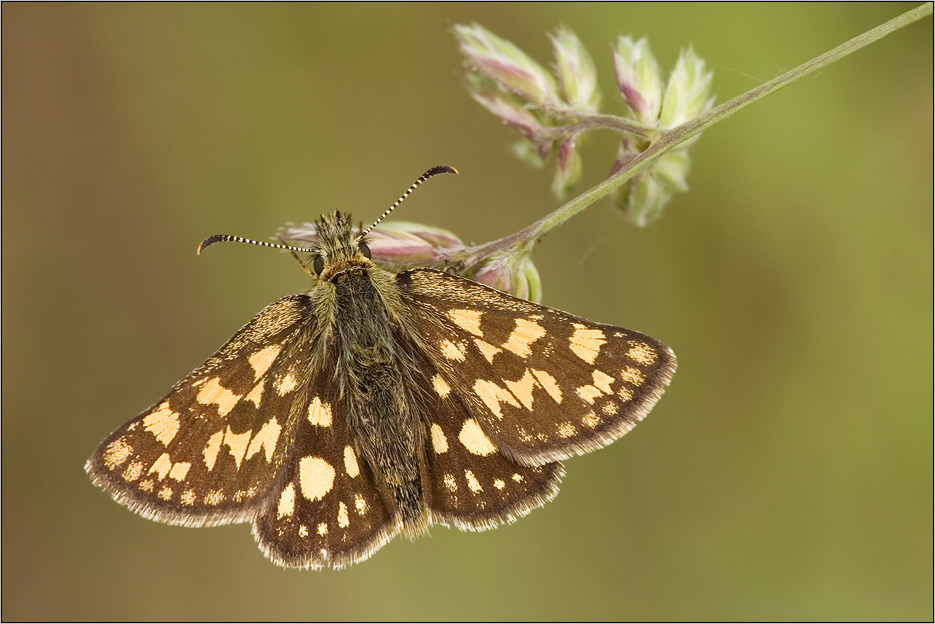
339	248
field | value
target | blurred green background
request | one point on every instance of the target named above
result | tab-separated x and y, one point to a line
787	472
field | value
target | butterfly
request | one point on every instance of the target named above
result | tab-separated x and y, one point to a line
379	403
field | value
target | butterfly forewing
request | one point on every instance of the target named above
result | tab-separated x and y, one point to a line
542	384
211	449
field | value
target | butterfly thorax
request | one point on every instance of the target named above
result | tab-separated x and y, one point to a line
370	369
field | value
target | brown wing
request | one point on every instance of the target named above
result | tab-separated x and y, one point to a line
211	450
327	509
467	482
542	384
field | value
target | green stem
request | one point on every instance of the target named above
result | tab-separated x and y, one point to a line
670	138
596	121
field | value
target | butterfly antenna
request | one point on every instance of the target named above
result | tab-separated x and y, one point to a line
227	238
434	171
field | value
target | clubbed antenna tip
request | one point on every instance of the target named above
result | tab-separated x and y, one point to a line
434	171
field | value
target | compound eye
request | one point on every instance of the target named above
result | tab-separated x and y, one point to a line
318	264
362	246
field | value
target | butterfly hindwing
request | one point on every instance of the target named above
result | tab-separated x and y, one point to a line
542	384
328	508
467	482
210	451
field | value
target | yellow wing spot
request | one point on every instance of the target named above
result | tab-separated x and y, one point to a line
237	443
641	353
187	497
487	349
566	430
499	484
303	530
261	360
316	477
180	470
319	413
632	375
450	482
360	504
525	333
474	439
442	388
602	381
547	381
242	495
468	320
517	477
256	395
473	483
586	343
161	466
523	388
213	392
343	520
439	441
351	467
214	497
265	439
116	453
590	420
286	505
212	448
609	408
147	484
165	493
323	530
493	395
285	384
624	394
453	351
133	471
163	423
588	393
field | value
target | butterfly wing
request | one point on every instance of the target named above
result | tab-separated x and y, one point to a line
542	384
467	482
329	509
211	450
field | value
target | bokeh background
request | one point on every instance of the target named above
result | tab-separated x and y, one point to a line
787	472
